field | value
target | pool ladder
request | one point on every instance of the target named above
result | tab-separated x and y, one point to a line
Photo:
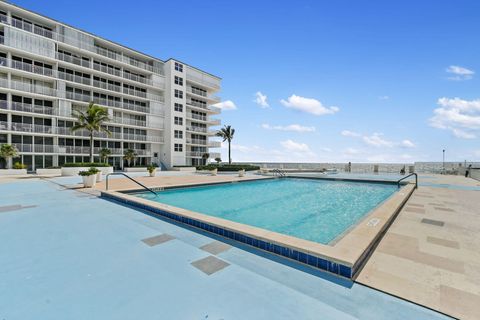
279	173
123	174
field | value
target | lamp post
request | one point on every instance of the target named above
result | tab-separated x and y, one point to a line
443	166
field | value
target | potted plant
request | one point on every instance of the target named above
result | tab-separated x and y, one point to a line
213	172
218	160
89	177
152	170
241	173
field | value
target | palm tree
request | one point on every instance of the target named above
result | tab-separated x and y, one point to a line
7	152
130	156
227	133
104	154
92	120
205	157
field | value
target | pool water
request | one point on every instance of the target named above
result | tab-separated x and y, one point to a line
310	209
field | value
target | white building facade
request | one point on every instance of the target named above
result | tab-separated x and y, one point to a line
161	109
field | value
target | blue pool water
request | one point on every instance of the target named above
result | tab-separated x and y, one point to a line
310	209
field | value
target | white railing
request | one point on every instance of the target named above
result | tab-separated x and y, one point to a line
202	80
72	59
196	129
28	127
214	144
105	69
107	86
19	106
197	141
4	125
128	121
28	87
3	104
78	96
134	107
73	78
19	65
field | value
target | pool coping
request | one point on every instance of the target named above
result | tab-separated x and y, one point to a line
345	258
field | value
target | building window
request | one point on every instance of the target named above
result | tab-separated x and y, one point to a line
178	134
178	67
178	107
178	94
179	81
178	147
178	120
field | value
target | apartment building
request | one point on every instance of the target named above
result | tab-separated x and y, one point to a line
161	109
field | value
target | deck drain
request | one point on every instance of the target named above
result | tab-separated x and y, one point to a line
215	247
433	222
156	240
210	265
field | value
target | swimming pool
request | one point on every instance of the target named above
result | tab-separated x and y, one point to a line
310	209
327	224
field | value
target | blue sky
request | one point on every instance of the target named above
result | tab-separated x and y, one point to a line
360	81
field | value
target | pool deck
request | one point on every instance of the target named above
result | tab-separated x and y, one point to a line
431	253
66	254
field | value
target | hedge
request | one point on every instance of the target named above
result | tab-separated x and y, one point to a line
229	167
86	164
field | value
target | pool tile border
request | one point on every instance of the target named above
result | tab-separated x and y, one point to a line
341	259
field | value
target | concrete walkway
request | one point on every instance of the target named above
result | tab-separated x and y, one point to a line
431	253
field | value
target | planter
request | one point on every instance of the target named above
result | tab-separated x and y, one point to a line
152	174
89	181
241	173
99	177
73	171
135	169
55	172
214	172
184	169
12	172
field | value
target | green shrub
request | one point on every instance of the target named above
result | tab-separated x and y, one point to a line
53	167
18	165
151	168
93	170
86	173
229	167
86	164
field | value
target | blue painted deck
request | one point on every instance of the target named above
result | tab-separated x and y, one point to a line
75	256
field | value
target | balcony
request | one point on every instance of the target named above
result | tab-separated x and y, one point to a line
19	106
128	121
73	78
197	117
202	94
134	107
73	59
107	86
196	129
27	87
85	133
19	65
31	28
34	128
138	137
78	96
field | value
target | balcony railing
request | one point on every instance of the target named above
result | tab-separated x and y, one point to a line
73	59
28	87
31	28
19	65
73	78
134	107
78	96
196	129
28	127
66	131
24	107
133	122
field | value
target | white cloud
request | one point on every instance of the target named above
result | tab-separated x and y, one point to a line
308	105
351	151
376	140
261	100
347	133
293	146
461	117
407	144
226	105
291	127
383	98
459	73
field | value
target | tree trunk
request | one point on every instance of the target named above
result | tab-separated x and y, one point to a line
91	146
229	157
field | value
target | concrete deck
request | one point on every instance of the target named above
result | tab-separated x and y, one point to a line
431	253
69	255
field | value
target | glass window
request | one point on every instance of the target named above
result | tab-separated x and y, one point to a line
178	107
178	147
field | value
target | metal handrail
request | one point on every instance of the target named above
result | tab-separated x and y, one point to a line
279	172
411	174
123	174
